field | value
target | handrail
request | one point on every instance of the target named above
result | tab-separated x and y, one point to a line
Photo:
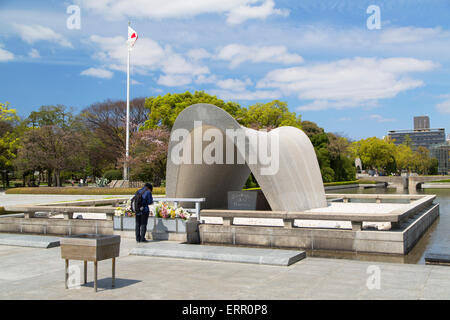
68	208
197	202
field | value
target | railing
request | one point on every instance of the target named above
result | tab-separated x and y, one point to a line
67	209
176	201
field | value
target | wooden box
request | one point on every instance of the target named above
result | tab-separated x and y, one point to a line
90	247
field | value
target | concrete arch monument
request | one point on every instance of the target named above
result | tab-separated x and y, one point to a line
294	184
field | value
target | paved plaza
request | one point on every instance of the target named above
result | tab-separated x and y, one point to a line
7	200
34	273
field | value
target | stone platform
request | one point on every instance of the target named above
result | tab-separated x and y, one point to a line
32	241
275	257
438	256
386	224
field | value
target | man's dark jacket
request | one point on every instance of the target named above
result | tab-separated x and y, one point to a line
147	199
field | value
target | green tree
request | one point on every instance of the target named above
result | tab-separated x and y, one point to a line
422	160
404	157
163	110
375	153
268	116
9	140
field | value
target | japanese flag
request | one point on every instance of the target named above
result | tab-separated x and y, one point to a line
132	37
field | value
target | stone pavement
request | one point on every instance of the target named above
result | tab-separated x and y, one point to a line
31	273
27	240
267	256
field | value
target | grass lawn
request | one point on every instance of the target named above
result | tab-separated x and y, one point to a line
337	183
440	181
81	191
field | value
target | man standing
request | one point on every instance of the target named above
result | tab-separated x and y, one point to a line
142	215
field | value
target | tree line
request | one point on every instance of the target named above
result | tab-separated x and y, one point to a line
54	144
384	156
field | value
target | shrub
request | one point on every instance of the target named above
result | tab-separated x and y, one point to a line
113	175
81	191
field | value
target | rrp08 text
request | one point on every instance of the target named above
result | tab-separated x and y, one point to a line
249	309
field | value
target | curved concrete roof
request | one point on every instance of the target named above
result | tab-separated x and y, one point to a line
296	185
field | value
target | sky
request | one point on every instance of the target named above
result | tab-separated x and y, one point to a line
335	62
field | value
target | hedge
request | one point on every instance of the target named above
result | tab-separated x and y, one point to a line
337	183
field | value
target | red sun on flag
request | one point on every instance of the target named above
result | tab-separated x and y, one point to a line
132	37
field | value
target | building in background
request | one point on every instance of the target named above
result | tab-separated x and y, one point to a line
442	153
421	122
421	137
432	139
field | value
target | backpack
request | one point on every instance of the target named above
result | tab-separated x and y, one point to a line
137	202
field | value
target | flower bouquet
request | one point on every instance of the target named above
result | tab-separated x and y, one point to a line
124	211
166	211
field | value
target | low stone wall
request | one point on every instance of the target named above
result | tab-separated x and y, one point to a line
389	242
160	229
55	226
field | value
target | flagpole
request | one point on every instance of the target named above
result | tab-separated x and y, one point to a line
125	167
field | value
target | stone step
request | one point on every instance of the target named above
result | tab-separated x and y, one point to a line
437	258
276	257
27	240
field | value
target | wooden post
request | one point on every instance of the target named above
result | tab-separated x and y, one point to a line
95	275
197	211
66	276
85	272
113	272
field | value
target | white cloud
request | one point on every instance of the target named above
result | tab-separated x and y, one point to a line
380	118
246	94
234	84
198	54
34	54
97	73
174	80
5	55
175	64
203	79
236	89
135	82
237	11
147	56
347	83
34	33
410	35
244	12
237	54
444	107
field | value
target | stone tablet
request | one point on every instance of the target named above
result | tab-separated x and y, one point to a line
247	200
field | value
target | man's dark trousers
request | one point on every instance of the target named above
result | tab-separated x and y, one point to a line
141	226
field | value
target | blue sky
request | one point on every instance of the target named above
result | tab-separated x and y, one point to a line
318	56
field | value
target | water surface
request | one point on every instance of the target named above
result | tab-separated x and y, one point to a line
436	238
